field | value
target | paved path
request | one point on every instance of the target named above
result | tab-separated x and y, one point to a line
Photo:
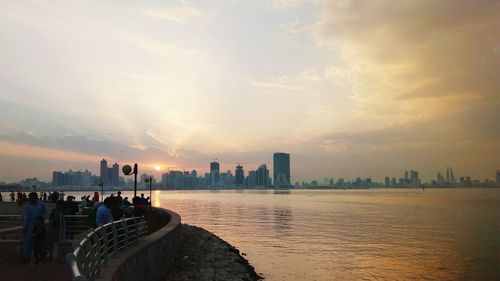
46	271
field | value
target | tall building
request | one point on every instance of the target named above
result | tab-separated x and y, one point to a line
104	171
115	175
440	179
450	177
414	180
214	173
251	179
58	178
281	169
262	176
387	182
110	175
239	176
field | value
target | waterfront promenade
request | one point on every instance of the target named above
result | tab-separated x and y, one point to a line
193	254
11	267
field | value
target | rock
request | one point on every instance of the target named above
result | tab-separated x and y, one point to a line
210	258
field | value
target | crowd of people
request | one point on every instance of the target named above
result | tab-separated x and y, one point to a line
40	237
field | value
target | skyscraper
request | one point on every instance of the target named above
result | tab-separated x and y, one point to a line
414	180
115	175
104	171
214	173
281	169
110	175
239	176
262	176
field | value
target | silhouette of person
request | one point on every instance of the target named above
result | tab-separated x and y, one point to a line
31	212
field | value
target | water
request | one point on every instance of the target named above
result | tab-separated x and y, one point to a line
377	234
436	234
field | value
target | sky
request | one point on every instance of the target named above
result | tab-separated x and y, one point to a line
349	88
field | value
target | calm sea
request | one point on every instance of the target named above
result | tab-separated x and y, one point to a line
376	234
436	234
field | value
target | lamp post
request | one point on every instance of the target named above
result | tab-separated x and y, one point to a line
101	184
127	170
150	180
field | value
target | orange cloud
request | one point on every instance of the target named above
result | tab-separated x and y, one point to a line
26	151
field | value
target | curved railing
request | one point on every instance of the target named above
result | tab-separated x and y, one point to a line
105	241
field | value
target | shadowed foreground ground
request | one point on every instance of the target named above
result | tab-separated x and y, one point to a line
204	256
46	271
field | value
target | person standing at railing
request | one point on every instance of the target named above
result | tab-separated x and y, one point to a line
96	197
103	215
116	210
55	223
12	196
39	240
31	212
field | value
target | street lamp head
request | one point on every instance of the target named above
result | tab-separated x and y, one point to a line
127	170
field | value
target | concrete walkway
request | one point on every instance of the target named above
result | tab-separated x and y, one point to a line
47	271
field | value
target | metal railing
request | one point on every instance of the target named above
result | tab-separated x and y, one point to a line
73	225
7	221
98	245
11	227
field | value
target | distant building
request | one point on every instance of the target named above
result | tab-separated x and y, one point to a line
450	177
281	169
498	178
226	179
110	176
251	179
58	178
73	179
262	176
387	182
440	179
239	175
104	171
214	173
414	180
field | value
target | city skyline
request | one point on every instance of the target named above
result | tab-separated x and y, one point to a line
217	178
348	88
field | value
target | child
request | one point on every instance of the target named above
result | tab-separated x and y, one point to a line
39	235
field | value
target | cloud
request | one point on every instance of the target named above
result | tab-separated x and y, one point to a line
167	50
181	14
296	27
286	4
310	74
27	151
418	49
281	82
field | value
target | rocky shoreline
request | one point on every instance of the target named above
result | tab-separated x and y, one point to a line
204	256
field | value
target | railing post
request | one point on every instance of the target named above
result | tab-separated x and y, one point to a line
72	261
62	226
115	238
125	226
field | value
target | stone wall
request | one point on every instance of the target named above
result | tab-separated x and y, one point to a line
152	257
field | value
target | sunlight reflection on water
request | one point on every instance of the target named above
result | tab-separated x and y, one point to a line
353	235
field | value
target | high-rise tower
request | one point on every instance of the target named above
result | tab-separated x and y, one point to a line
214	173
281	169
239	176
104	171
